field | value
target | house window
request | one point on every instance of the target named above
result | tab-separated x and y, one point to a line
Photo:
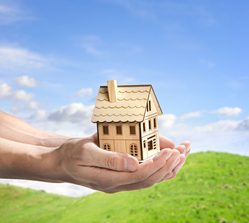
149	106
133	149
105	129
119	129
149	124
150	147
132	130
152	143
155	124
144	127
107	147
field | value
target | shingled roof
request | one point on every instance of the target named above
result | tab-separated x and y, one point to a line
129	107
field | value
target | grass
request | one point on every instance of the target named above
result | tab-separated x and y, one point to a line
212	187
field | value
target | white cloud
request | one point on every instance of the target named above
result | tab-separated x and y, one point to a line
33	105
74	113
40	115
11	13
226	111
222	125
83	92
167	121
223	136
16	58
25	81
226	126
190	115
20	95
19	107
244	125
5	91
65	189
73	120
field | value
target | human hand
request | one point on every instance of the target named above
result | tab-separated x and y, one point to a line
82	162
184	150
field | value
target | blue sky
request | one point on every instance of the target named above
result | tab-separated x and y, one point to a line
54	55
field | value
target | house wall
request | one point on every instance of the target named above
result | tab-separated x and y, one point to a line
117	142
147	141
150	135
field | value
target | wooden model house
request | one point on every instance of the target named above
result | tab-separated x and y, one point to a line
126	118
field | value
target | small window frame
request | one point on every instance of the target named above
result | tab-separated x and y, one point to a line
149	121
150	145
132	130
134	150
107	147
105	129
144	127
119	130
155	123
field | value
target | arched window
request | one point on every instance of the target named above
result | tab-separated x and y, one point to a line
107	147
133	149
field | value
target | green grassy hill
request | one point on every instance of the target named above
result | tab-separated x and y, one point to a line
212	187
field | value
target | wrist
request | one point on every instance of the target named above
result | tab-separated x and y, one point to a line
47	139
24	161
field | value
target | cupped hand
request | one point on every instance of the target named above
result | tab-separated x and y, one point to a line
82	162
184	150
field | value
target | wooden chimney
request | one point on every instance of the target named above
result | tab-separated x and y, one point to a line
112	90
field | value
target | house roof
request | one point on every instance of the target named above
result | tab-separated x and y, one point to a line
130	106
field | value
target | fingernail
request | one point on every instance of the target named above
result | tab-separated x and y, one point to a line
168	176
178	168
130	165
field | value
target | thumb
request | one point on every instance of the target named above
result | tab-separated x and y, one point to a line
108	159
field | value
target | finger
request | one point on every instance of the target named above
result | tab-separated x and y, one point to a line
187	145
180	164
92	155
94	138
154	178
181	149
172	174
166	143
108	179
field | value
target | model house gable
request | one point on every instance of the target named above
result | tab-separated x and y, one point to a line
126	118
131	105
